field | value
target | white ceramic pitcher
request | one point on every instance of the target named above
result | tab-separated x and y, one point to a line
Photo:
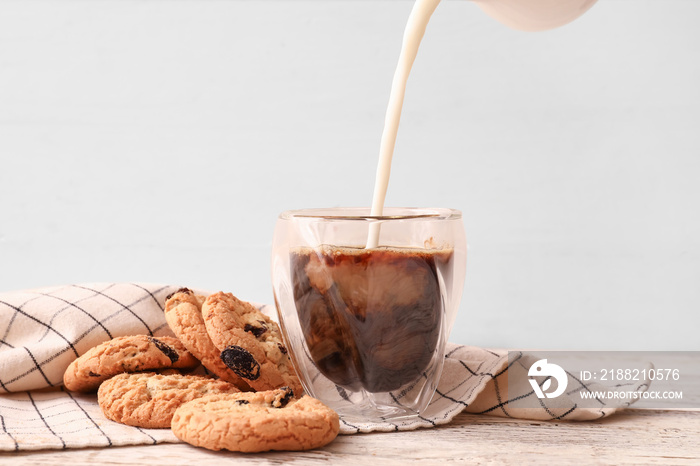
535	15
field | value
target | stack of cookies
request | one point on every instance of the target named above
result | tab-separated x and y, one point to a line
251	403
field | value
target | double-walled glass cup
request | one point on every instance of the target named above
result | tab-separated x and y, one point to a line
367	328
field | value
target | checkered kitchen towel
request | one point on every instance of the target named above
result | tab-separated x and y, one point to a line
42	331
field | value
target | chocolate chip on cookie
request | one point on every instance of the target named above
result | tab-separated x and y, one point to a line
253	422
181	290
256	330
169	351
284	396
241	362
126	354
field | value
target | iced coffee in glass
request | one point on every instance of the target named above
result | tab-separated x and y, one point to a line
367	327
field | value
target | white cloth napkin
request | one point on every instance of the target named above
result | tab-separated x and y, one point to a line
43	330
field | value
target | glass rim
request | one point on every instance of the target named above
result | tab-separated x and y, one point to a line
363	213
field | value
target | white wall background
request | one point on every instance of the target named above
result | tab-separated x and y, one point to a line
158	140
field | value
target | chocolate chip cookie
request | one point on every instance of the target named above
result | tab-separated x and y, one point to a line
126	354
183	312
149	400
254	422
250	343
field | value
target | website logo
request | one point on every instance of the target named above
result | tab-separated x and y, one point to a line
542	368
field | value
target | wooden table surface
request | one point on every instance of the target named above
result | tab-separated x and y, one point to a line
631	437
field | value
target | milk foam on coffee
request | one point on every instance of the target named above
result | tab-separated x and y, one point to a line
527	15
